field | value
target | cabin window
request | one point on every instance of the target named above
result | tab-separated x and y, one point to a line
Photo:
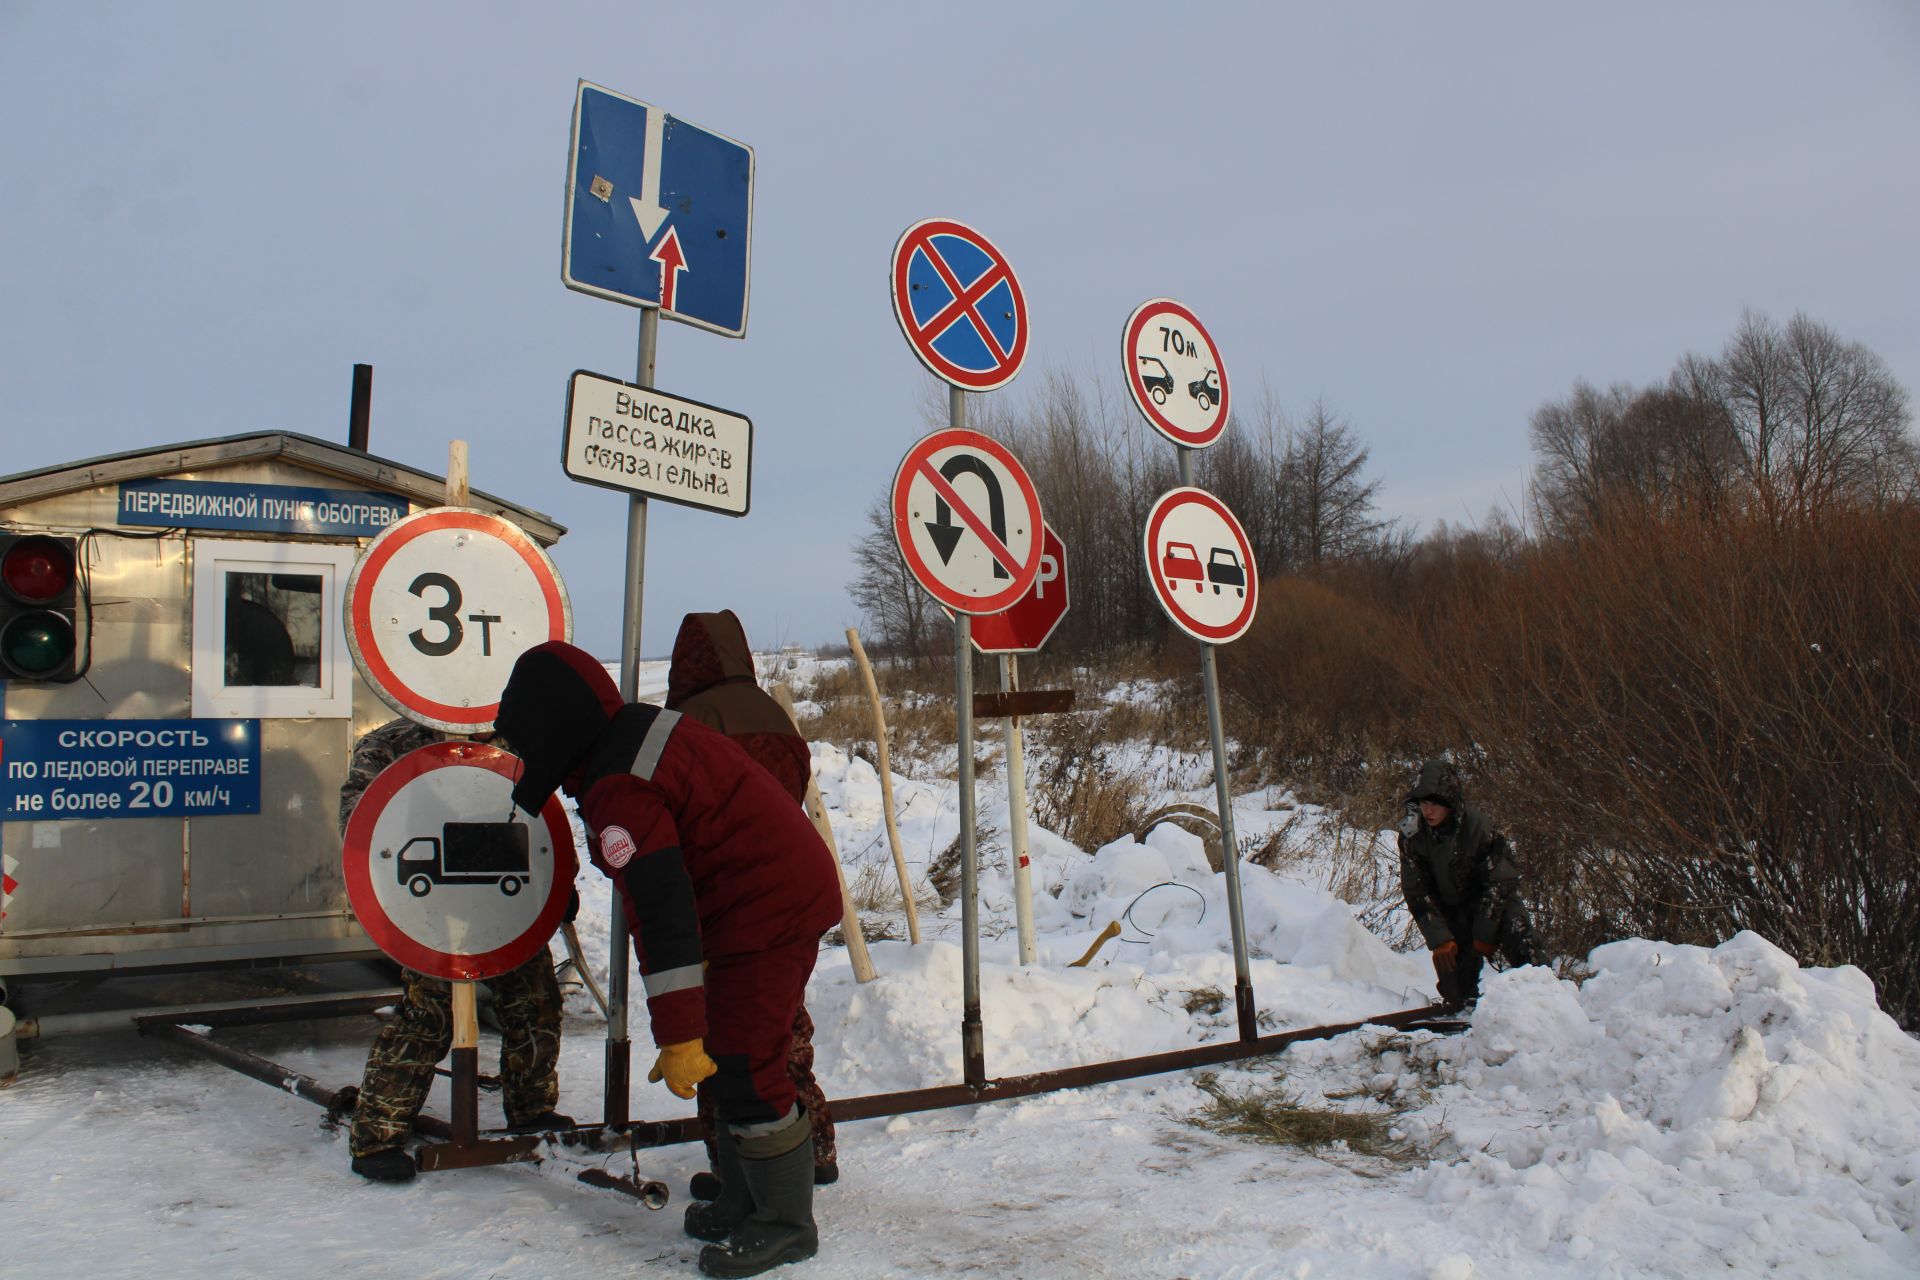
267	634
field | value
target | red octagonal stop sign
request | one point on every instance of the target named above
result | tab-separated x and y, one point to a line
1027	624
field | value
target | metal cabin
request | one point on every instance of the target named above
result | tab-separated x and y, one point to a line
170	797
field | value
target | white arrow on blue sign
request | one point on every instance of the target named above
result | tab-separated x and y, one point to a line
659	212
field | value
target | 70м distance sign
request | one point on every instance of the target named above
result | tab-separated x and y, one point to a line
636	439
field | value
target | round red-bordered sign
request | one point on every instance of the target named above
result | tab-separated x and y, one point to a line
967	520
428	853
959	304
441	604
1201	565
1175	373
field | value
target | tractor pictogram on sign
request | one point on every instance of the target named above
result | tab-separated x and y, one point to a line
959	304
1175	374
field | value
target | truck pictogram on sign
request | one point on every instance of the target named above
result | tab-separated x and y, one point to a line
477	853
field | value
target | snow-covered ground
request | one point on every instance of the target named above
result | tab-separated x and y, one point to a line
1679	1112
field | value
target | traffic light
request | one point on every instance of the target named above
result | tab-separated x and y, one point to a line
43	608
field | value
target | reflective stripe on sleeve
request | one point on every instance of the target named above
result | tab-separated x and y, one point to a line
684	978
647	759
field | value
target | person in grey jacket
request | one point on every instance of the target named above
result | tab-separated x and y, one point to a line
1461	883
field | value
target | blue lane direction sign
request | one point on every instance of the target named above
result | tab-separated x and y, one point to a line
959	304
659	212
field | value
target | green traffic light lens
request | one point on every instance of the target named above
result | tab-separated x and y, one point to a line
36	644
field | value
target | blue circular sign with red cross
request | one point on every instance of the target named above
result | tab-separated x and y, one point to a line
959	304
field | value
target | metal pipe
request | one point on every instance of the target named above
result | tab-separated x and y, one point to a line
619	1057
362	407
1229	846
664	1133
1017	815
268	1072
972	1034
248	1064
223	1013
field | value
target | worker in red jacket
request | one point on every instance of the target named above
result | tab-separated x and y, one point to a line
712	680
727	890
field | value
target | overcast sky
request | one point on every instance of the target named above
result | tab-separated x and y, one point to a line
1431	216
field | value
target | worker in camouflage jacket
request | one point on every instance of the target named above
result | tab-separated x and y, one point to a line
712	680
526	1004
1461	883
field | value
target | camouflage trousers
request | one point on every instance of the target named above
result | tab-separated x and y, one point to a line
826	1153
526	1003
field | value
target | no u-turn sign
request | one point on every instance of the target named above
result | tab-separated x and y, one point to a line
967	518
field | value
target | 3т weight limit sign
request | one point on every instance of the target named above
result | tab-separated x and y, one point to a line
440	606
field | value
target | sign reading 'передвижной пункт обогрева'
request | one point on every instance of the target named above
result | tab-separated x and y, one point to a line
264	508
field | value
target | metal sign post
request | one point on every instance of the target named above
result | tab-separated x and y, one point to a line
962	312
1017	814
973	1040
1179	383
659	215
1223	792
619	1057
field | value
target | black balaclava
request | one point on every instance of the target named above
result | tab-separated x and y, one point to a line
557	702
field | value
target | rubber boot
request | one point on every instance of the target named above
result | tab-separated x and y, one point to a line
780	1229
390	1165
732	1201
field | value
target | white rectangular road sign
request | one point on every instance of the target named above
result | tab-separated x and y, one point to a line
622	436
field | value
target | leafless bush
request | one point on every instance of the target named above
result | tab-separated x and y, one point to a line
1706	722
1076	789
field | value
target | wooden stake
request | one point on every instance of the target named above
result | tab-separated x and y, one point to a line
886	785
1111	931
863	970
466	1065
457	495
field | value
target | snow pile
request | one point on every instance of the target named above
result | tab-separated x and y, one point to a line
1710	1109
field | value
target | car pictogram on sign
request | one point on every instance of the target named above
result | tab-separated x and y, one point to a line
1224	570
1182	564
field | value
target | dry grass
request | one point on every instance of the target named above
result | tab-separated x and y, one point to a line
1277	1115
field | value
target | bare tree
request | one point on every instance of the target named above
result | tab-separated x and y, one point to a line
1328	500
1818	418
898	611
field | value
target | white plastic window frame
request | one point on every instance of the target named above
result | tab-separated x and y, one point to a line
213	698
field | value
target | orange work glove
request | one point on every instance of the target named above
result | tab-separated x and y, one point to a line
1486	948
1445	956
682	1066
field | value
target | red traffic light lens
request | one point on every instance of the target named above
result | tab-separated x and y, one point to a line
37	570
35	645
